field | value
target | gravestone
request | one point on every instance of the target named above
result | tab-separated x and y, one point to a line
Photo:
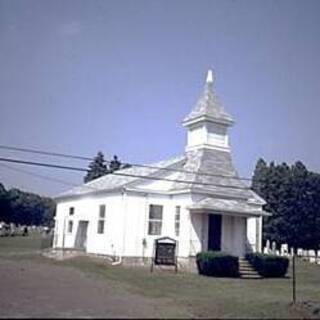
274	247
268	246
292	251
312	256
284	249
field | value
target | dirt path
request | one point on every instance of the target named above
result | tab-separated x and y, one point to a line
29	289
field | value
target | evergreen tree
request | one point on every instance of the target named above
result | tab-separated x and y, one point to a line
259	176
97	168
293	197
115	164
4	205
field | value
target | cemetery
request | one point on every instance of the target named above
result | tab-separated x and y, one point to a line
312	256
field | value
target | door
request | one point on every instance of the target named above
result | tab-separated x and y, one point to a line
214	232
81	236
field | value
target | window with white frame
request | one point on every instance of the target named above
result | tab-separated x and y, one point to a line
70	226
177	221
155	219
102	216
71	211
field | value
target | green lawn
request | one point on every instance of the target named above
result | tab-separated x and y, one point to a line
19	244
195	296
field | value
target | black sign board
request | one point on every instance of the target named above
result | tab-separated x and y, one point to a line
165	252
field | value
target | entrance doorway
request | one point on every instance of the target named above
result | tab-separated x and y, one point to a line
214	232
81	236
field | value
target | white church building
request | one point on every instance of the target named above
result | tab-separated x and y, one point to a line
196	198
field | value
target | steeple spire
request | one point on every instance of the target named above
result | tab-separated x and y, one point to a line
209	105
207	123
210	77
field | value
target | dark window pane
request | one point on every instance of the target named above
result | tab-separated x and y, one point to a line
155	227
70	226
71	211
102	211
155	212
100	226
177	228
177	215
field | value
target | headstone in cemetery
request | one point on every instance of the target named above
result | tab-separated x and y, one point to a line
300	252
274	247
292	251
305	255
165	253
268	246
312	256
284	249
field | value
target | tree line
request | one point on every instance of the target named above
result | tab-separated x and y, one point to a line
292	194
25	208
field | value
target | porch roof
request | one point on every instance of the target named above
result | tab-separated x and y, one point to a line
228	206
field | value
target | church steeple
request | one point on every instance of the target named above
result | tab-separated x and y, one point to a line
207	122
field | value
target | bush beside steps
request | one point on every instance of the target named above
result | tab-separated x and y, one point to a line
269	266
217	264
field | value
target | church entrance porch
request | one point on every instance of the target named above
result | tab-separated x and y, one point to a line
218	232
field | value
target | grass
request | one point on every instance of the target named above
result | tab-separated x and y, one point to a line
19	244
196	296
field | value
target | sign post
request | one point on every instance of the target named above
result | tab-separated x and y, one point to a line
165	253
293	279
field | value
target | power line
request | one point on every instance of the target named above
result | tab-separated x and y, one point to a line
70	156
49	165
46	153
42	164
38	175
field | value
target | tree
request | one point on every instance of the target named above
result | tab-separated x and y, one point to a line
26	208
4	207
115	164
97	168
293	197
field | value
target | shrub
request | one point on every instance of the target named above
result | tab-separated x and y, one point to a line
217	264
269	266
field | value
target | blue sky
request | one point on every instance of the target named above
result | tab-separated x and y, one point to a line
119	76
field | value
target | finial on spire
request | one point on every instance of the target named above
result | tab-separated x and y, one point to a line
210	76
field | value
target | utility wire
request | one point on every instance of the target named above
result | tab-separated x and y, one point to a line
70	156
46	153
49	165
37	175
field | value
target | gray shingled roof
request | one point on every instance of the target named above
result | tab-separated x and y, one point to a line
228	205
120	179
218	164
215	162
209	106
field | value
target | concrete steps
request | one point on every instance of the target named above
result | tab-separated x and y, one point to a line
247	271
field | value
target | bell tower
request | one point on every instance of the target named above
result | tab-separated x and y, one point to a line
208	123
